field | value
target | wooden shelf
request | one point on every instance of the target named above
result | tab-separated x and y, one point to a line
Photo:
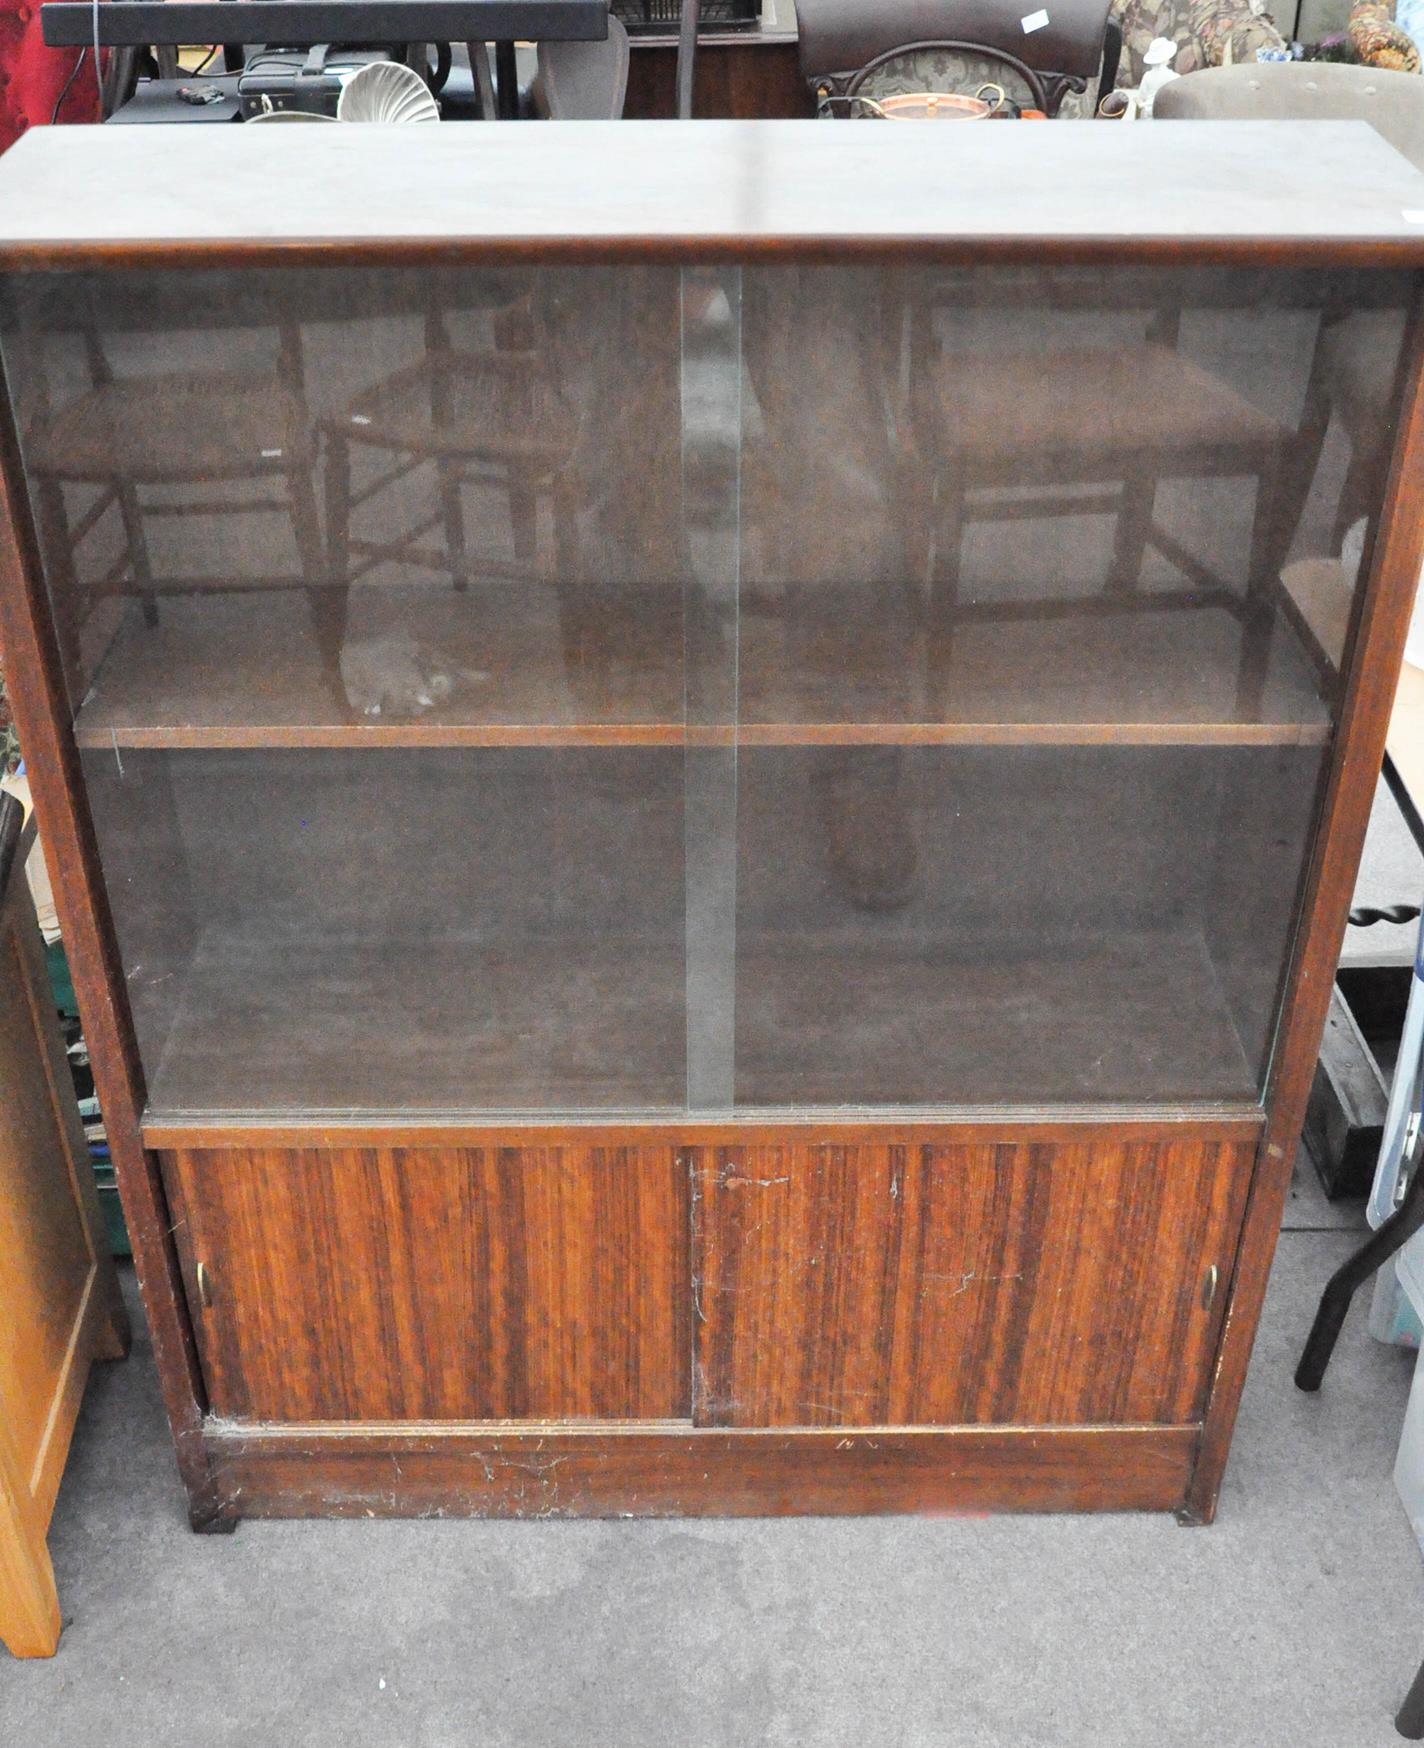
1110	1017
246	670
278	1029
433	1024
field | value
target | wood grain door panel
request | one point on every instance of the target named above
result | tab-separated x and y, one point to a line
1025	1284
438	1283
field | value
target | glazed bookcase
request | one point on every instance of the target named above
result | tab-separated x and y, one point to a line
704	782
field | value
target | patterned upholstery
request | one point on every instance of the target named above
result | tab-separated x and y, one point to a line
948	70
1202	30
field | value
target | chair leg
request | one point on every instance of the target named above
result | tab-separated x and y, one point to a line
63	578
1409	1719
573	597
328	594
1258	617
1355	498
338	511
1133	531
483	80
948	520
137	545
453	511
306	526
524	519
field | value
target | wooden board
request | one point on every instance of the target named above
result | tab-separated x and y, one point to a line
407	1027
59	1296
1031	1285
244	670
1317	190
430	1471
464	1283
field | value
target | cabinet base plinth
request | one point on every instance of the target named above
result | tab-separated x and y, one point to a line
406	1470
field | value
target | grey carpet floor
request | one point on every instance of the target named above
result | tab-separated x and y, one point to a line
1295	1620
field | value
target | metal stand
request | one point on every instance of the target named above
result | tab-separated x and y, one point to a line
1392	1236
686	56
1404	1141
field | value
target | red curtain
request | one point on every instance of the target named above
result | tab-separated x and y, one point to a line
32	76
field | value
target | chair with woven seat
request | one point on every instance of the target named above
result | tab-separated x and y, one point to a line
490	415
123	437
1084	431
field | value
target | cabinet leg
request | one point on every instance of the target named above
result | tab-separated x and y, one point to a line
206	1516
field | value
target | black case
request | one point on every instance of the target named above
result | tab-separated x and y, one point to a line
306	79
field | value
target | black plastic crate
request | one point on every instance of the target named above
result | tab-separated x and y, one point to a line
646	17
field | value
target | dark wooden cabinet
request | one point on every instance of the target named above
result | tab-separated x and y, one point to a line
704	781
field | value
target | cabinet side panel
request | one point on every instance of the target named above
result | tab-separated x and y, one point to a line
494	1284
1047	1284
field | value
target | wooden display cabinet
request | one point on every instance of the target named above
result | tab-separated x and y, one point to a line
700	783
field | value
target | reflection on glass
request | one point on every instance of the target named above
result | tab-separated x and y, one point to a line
704	689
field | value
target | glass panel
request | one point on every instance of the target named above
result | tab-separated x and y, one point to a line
398	928
1046	581
371	590
704	689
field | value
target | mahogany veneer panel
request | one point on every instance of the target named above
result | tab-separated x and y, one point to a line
533	1283
1021	1285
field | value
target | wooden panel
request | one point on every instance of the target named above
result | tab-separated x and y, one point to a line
637	190
46	1250
497	1284
59	1298
1031	1285
308	1471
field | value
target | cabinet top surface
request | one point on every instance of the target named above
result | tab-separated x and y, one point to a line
1274	191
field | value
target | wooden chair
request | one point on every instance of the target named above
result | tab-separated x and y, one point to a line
847	47
1011	436
490	415
122	437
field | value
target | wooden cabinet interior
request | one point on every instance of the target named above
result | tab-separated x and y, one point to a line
704	835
